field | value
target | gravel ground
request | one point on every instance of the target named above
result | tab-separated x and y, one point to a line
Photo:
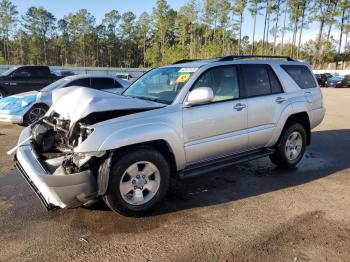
250	212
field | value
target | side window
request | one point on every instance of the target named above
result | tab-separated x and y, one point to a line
301	75
105	83
223	80
256	80
22	73
84	82
40	72
274	82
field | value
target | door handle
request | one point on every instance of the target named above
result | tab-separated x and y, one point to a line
239	106
280	100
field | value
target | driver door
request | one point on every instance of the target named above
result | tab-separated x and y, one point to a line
217	128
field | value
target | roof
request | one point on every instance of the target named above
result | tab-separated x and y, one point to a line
237	59
74	77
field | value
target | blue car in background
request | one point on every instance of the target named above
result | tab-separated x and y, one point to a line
26	108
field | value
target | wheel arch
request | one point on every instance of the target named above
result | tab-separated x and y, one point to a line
41	104
161	145
301	118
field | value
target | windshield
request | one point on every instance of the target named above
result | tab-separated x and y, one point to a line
160	84
54	85
9	71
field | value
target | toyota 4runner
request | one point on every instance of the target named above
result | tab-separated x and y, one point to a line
179	120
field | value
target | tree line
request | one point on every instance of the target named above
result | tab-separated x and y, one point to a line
199	29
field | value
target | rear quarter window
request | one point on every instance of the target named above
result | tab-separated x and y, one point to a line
301	75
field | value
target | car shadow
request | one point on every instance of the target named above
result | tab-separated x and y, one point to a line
327	154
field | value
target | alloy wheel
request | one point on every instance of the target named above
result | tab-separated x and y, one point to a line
293	146
139	183
35	114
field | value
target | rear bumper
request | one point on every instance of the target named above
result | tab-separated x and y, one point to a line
15	119
54	191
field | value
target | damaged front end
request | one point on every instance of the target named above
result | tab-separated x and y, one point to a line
46	158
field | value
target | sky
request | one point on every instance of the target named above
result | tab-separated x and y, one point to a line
99	7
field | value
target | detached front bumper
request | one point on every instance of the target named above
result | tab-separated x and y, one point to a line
14	119
55	191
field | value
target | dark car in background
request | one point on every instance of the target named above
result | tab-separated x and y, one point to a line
322	78
21	79
334	81
346	81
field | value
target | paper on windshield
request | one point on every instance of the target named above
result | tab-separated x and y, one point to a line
188	70
183	78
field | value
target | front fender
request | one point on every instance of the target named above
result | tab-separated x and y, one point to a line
103	139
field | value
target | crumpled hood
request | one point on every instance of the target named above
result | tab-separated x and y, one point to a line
75	103
17	103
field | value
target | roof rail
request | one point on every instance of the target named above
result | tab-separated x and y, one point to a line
233	57
185	61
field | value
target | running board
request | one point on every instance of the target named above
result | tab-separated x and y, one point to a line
211	165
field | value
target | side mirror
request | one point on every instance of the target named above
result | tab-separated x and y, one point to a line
200	95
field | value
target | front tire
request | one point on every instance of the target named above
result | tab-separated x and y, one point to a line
138	181
291	146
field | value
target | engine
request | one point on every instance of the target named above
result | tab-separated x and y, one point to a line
53	135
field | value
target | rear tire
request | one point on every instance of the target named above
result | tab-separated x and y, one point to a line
34	114
138	181
291	147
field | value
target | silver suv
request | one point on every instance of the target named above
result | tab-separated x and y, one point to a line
179	120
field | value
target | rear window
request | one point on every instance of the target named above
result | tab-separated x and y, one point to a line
301	75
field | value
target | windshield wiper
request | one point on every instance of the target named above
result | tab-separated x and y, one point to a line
153	99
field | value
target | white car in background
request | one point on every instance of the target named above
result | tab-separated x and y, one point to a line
27	108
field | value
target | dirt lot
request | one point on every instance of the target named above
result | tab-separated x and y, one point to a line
251	212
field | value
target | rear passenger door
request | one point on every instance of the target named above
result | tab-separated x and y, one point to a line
266	101
107	84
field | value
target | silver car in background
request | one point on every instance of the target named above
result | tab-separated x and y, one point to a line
26	108
179	120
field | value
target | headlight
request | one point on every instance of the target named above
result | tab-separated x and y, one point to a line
339	82
24	103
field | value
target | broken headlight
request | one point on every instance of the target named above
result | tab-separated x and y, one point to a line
80	159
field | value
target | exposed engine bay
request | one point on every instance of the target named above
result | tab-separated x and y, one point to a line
54	141
59	156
